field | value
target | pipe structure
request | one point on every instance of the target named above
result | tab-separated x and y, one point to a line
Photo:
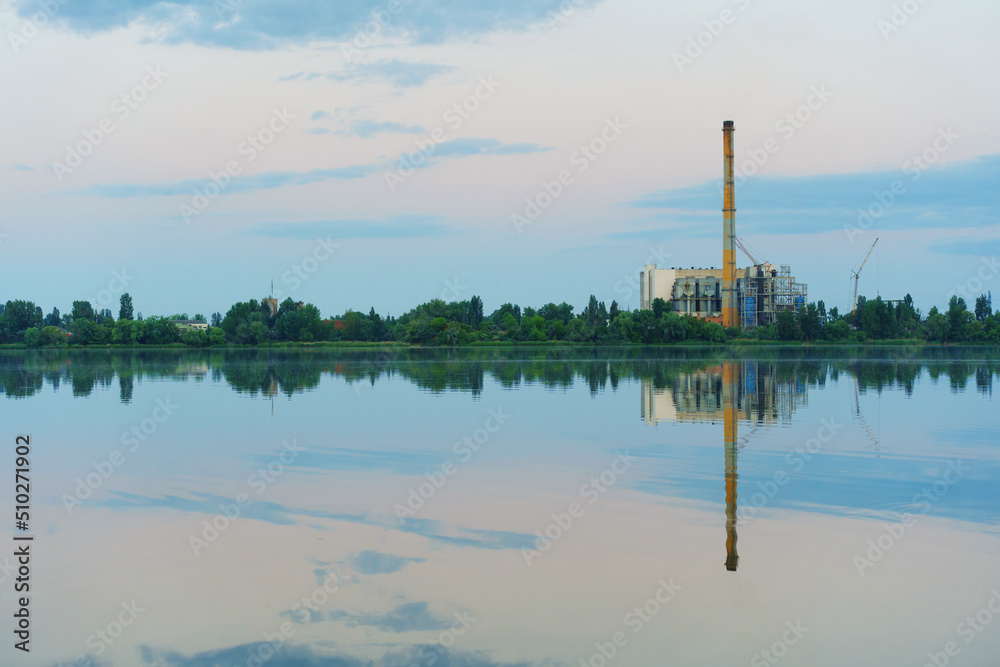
730	316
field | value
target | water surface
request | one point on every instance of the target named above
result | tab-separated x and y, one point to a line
529	506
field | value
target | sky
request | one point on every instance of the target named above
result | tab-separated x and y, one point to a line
385	153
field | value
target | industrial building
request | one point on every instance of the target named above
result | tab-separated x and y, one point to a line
747	298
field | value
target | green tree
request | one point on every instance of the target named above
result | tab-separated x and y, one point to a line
475	314
808	322
160	331
675	327
788	328
53	319
125	307
258	333
713	332
957	316
53	336
238	319
591	311
18	316
84	331
83	310
127	332
216	336
622	326
936	326
983	307
659	307
195	338
32	337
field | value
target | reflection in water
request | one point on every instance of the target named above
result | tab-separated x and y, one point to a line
770	383
571	408
748	390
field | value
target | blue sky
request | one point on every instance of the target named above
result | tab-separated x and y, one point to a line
409	133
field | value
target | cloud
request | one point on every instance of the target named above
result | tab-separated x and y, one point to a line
21	167
277	179
962	194
265	181
280	515
373	562
319	130
367	129
320	114
268	24
408	617
291	654
397	72
474	146
300	76
404	227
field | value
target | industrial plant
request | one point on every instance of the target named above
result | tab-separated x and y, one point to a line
748	297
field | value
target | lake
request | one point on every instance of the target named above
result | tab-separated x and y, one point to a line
508	506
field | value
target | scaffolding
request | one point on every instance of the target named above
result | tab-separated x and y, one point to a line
763	291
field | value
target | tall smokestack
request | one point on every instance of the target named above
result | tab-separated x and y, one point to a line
730	318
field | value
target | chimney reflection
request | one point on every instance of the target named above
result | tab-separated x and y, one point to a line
731	392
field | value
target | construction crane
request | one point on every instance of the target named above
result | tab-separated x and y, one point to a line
747	252
855	273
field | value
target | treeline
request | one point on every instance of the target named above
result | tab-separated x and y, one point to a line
440	323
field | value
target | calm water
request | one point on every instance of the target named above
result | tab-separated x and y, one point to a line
498	507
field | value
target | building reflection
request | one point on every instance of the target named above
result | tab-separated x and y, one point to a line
745	391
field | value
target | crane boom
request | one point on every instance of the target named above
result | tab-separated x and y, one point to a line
857	274
747	252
